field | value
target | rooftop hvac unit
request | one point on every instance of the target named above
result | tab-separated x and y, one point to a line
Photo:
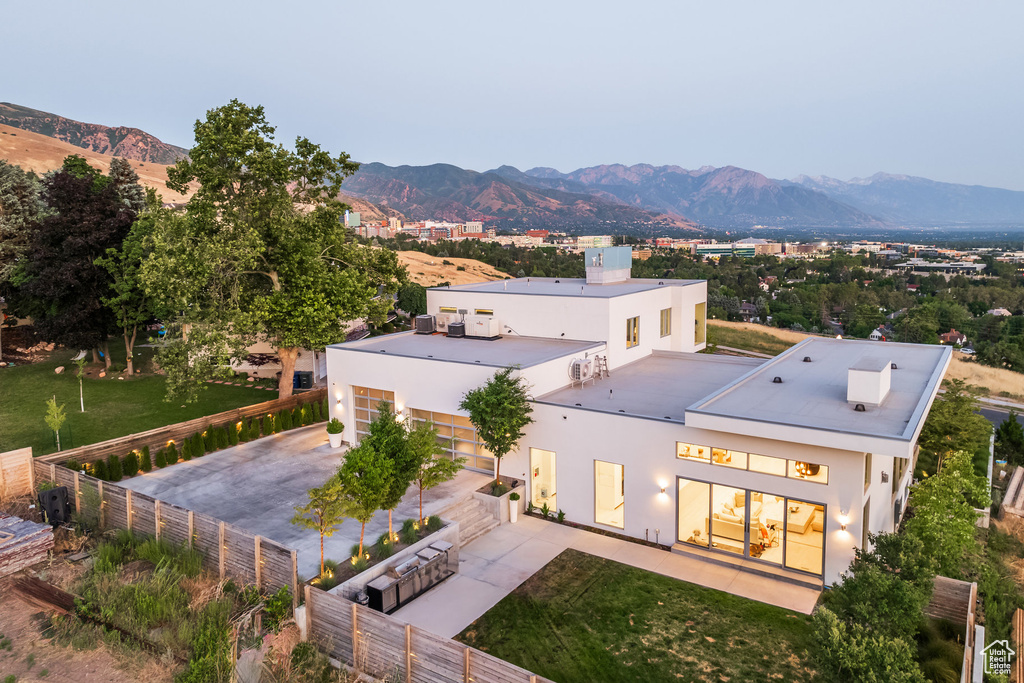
425	324
456	329
442	320
581	370
482	327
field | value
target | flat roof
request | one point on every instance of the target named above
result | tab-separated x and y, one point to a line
501	352
564	286
813	394
658	386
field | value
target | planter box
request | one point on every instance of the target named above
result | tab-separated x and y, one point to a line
498	505
449	532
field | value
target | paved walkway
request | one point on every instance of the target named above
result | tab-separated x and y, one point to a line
495	564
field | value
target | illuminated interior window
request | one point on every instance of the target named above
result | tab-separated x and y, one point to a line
609	494
632	332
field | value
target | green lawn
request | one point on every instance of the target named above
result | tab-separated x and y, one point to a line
583	618
113	407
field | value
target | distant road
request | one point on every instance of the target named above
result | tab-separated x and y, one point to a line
996	416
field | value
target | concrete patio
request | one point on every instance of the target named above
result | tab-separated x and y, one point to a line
256	486
495	564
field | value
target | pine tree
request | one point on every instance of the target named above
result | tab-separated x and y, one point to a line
284	420
316	413
233	434
171	456
145	464
159	461
307	416
130	464
99	470
198	446
210	439
254	429
268	425
114	468
221	438
186	449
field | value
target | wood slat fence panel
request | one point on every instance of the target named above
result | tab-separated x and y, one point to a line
277	567
158	438
16	474
380	646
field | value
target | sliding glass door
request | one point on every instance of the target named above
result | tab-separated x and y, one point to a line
759	525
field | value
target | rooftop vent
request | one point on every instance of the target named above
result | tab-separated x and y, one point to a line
868	381
893	367
807	359
859	408
777	380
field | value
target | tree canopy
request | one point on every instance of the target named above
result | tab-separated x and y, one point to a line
499	410
260	253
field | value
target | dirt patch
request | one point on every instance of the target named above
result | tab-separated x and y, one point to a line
32	657
428	270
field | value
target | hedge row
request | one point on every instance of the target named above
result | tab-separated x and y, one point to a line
211	439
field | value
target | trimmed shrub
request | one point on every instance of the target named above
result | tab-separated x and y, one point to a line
409	533
307	416
222	438
254	429
73	464
172	455
297	418
198	445
130	464
268	425
99	469
434	523
145	463
325	413
233	434
209	439
384	547
286	420
159	460
114	468
186	449
316	413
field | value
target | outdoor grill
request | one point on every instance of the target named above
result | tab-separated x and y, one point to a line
402	583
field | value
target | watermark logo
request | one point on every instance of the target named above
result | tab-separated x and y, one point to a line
997	657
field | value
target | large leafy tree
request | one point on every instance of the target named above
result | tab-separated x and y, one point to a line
953	425
260	253
499	410
20	207
1010	440
58	282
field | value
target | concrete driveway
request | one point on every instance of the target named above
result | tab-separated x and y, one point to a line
256	486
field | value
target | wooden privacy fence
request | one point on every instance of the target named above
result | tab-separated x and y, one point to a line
227	550
956	601
16	474
158	438
376	644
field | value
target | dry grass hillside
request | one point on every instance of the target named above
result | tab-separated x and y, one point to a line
429	270
39	153
994	382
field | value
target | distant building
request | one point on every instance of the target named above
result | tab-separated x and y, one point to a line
998	311
641	254
594	241
953	337
352	219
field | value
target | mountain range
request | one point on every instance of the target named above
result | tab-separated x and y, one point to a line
640	199
120	141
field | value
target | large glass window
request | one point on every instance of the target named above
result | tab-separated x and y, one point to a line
609	494
666	322
457	434
694	500
542	479
767	532
808	471
700	322
867	472
632	332
728	518
805	526
736	459
367	402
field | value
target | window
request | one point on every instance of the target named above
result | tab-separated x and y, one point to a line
633	332
485	311
609	494
867	472
366	407
700	321
766	464
448	309
808	471
666	322
736	459
693	452
864	528
805	527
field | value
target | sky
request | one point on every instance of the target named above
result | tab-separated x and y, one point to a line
932	88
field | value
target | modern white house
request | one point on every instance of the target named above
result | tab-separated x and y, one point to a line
780	466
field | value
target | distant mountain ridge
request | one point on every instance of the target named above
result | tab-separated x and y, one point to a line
722	197
446	192
128	143
917	201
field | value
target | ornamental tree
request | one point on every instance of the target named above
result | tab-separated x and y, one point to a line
324	512
499	410
365	479
387	437
432	465
260	253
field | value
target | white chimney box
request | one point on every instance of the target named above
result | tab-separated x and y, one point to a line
869	381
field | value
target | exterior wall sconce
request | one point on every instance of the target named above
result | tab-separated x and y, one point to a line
844	519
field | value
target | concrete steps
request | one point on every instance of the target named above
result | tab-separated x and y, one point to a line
474	520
